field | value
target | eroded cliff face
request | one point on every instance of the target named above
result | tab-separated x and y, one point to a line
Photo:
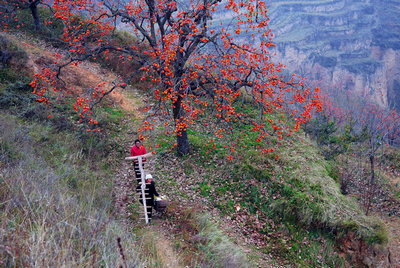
382	86
350	44
387	78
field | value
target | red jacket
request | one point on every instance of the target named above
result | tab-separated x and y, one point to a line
138	151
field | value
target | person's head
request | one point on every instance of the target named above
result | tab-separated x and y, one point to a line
137	143
149	178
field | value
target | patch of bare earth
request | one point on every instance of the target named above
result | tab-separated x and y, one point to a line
393	226
164	248
80	78
389	212
123	188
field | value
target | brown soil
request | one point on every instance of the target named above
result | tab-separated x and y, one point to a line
123	190
164	249
78	78
392	221
393	227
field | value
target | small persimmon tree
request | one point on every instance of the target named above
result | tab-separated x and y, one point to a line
380	128
202	71
359	129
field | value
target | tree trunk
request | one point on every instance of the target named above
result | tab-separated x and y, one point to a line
181	136
183	143
371	159
35	14
371	188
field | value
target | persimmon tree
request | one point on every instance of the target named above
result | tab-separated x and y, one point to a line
381	128
203	72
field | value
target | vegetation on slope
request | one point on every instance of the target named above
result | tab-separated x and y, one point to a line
55	183
55	209
57	188
288	206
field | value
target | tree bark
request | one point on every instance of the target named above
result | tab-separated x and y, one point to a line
183	143
371	159
35	13
181	136
372	142
371	188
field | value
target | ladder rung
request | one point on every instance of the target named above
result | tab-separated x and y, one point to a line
145	198
144	218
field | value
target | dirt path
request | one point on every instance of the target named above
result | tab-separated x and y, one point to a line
393	228
124	183
164	248
389	212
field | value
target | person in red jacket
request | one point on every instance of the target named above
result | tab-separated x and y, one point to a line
138	149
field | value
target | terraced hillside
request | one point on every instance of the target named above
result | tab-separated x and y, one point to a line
356	40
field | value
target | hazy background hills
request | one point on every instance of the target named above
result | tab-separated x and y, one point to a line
353	45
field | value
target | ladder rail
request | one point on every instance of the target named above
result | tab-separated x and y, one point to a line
143	186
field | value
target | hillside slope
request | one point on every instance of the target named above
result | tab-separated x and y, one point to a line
284	210
91	173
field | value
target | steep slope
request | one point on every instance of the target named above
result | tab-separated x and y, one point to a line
289	208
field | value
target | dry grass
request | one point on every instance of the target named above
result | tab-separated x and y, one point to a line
200	241
221	251
46	223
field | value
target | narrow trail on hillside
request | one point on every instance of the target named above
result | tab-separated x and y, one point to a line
392	225
78	79
124	183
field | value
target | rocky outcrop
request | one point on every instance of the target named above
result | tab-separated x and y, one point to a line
365	255
355	43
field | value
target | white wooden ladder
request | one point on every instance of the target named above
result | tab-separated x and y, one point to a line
143	185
